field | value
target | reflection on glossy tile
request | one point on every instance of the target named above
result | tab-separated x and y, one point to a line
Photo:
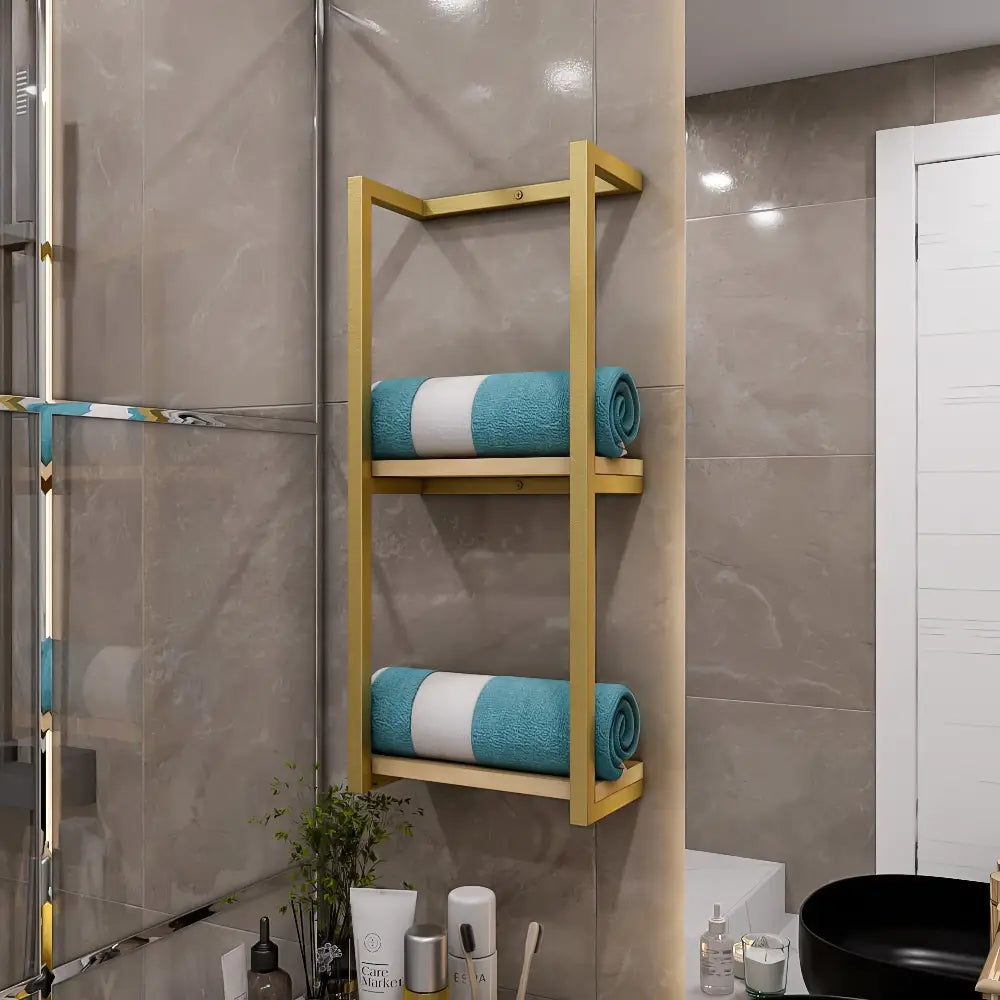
967	84
243	915
228	687
81	923
782	783
99	57
18	923
121	979
780	581
781	332
98	690
15	842
800	142
15	825
640	274
486	294
188	964
227	286
25	630
335	686
640	559
540	867
18	292
641	643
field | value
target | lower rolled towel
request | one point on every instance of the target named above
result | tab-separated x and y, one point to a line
521	414
514	723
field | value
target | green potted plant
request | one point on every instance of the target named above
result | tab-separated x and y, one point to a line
333	844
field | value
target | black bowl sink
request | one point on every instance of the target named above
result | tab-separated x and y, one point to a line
889	937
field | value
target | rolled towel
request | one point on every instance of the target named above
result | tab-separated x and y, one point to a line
522	414
514	723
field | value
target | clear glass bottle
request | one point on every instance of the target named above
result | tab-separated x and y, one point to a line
717	957
265	981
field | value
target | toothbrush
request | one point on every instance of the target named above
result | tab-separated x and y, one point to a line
532	945
469	946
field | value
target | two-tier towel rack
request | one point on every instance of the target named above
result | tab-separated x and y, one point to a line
593	173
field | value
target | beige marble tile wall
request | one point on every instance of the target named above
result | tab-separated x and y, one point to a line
780	440
444	96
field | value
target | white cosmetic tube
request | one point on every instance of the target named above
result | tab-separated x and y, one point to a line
381	918
234	973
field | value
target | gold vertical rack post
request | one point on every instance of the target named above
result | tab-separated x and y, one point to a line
593	173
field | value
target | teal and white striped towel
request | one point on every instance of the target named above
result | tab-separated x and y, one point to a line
521	414
514	723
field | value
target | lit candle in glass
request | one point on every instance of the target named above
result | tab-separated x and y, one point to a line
765	965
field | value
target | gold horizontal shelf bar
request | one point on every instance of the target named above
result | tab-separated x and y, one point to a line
513	476
546	193
500	485
614	176
425	468
396	201
484	485
623	178
544	786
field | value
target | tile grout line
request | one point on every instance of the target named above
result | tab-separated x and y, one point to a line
934	60
343	402
781	704
736	458
593	72
142	476
779	208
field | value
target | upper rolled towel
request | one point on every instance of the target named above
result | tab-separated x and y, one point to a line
522	414
514	723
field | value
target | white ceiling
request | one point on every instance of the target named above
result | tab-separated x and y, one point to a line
737	43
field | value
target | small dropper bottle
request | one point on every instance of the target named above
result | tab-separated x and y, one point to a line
717	957
265	981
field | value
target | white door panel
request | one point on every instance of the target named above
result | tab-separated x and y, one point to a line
958	503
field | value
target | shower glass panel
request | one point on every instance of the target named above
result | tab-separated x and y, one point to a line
20	762
185	661
185	134
161	459
19	756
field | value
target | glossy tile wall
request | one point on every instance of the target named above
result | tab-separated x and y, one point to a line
445	96
780	470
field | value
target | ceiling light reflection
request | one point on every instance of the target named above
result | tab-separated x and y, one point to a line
568	76
765	216
457	8
717	180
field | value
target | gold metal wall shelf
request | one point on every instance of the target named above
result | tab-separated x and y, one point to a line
593	173
500	475
544	786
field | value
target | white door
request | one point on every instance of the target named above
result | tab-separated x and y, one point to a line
958	517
